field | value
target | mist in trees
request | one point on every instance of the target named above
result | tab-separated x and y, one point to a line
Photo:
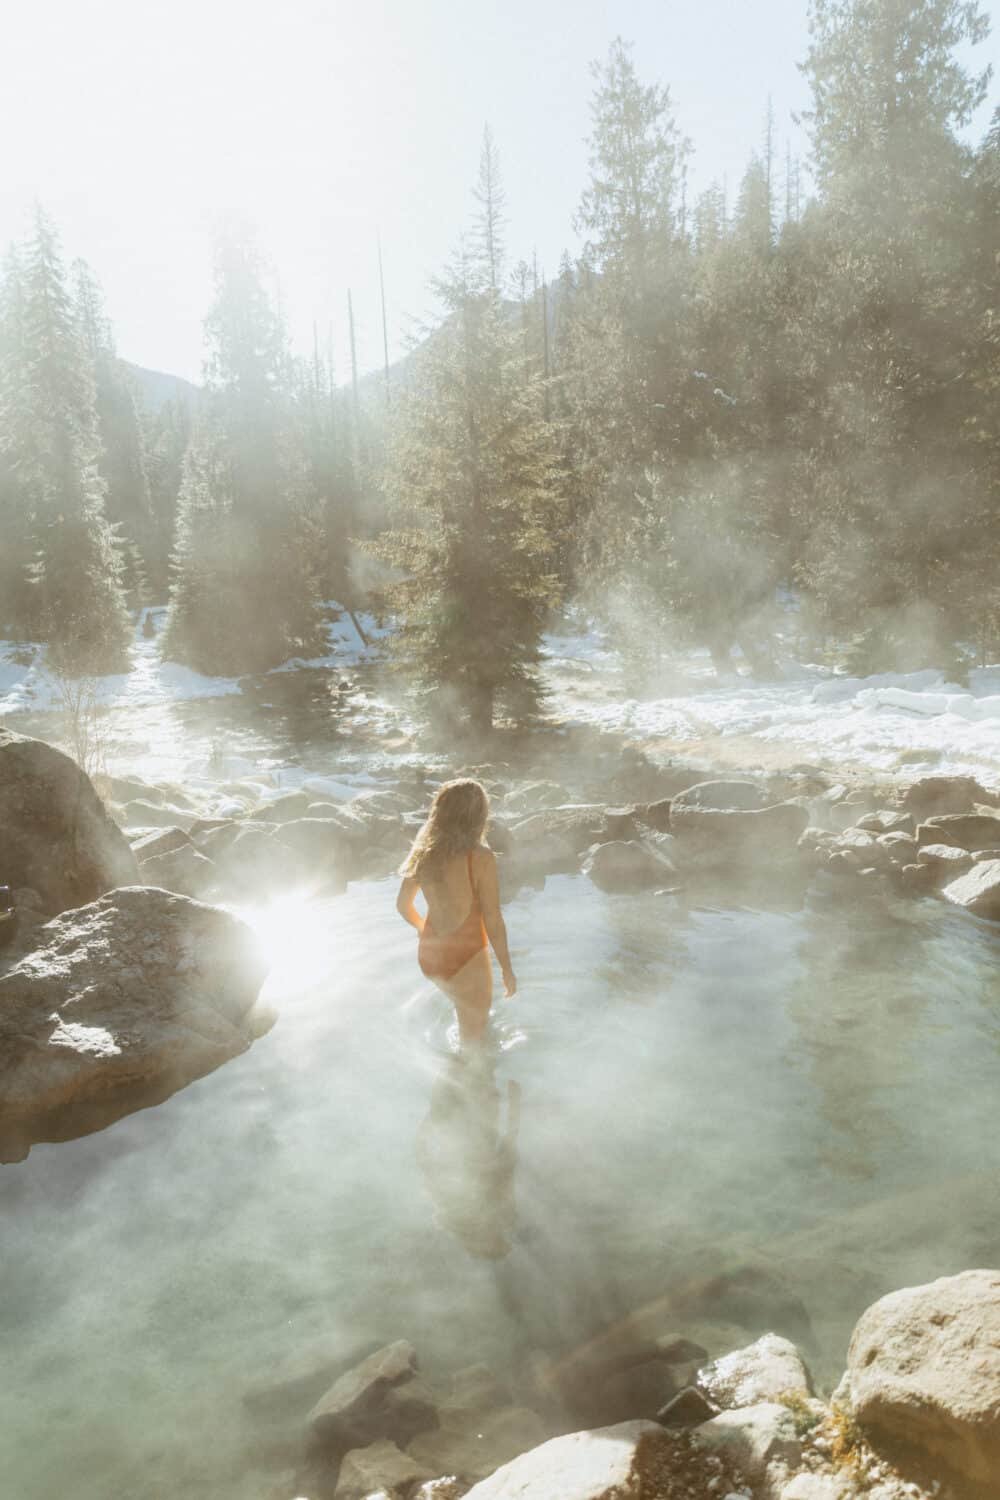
722	401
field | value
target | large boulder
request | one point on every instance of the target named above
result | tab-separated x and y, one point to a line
978	891
603	1464
121	1004
970	831
731	822
57	836
183	870
924	1370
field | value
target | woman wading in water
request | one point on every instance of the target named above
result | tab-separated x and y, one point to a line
458	876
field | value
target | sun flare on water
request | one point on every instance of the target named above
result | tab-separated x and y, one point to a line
293	935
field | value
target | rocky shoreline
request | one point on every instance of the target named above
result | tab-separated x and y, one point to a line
914	1417
117	900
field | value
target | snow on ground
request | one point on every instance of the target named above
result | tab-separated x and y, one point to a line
25	684
915	720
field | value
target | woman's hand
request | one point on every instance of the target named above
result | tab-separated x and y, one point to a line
509	982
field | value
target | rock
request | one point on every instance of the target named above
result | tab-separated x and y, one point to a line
57	836
142	814
300	1377
916	880
474	1446
978	891
122	1003
901	847
887	822
622	822
981	855
656	815
182	869
595	1465
255	864
640	1391
321	847
946	794
129	788
554	840
819	1487
944	861
969	831
380	1398
215	840
763	1371
284	808
689	1408
924	1370
449	1488
163	841
379	1466
632	866
753	1437
724	822
202	826
475	1388
534	796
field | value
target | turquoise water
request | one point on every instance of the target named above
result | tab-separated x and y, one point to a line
811	1092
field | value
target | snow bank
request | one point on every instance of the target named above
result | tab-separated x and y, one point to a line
915	720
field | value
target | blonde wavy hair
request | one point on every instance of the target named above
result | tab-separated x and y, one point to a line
456	824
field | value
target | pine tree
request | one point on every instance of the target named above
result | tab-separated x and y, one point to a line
51	449
475	483
242	493
123	459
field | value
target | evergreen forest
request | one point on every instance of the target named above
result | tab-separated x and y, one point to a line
721	403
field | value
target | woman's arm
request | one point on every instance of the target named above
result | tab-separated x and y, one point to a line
488	887
405	903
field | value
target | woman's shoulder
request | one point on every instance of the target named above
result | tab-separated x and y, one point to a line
483	856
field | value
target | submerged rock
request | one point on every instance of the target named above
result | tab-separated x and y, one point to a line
924	1370
380	1398
475	1445
380	1466
57	836
121	1004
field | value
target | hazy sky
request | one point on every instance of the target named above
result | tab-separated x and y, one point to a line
143	126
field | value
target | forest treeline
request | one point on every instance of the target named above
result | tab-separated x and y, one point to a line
717	405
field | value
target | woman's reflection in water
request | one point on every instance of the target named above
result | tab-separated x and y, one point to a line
467	1156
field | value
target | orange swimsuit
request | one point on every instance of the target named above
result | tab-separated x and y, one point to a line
441	955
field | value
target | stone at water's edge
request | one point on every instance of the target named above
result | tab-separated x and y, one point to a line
627	866
381	1398
935	795
57	835
969	831
122	1003
978	891
923	1368
763	1371
718	822
596	1465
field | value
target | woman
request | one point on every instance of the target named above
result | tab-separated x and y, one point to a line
458	876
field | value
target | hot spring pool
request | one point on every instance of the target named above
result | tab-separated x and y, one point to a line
811	1091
